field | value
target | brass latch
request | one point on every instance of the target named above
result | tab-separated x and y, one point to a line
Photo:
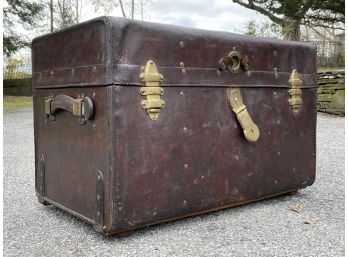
151	90
250	130
295	91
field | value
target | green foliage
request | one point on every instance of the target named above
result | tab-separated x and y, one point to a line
290	14
19	12
251	28
265	29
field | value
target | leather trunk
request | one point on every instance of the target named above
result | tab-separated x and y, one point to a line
138	123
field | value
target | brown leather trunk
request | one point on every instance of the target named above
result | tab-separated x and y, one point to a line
231	122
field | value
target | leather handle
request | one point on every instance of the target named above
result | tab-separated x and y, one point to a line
79	107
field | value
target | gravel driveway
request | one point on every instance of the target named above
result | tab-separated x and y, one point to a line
267	228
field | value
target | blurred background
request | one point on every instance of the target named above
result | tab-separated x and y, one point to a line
321	23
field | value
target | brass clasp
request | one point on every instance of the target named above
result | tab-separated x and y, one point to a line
250	129
151	90
295	91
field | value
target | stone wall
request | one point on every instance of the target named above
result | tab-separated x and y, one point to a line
331	92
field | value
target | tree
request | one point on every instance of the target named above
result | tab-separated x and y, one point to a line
128	7
265	29
19	13
290	14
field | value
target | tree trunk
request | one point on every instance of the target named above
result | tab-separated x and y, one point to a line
122	9
132	11
291	29
51	13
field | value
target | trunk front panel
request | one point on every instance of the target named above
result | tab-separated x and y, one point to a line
195	156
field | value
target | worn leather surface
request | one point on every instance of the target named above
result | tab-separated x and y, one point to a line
194	158
110	50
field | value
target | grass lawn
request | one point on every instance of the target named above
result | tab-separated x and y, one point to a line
14	102
324	69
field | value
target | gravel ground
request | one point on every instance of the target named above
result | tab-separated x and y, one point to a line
267	228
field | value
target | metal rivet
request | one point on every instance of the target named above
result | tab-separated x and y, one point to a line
98	197
93	125
183	71
182	64
218	72
275	94
94	68
235	126
278	153
72	71
51	72
185	129
181	44
98	177
275	53
234	48
278	121
248	73
93	94
184	203
186	166
275	182
237	157
98	213
181	93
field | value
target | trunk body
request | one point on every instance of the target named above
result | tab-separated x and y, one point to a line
121	170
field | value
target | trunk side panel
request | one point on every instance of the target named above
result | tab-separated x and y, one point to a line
73	153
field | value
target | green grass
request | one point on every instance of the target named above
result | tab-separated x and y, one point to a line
324	69
15	102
